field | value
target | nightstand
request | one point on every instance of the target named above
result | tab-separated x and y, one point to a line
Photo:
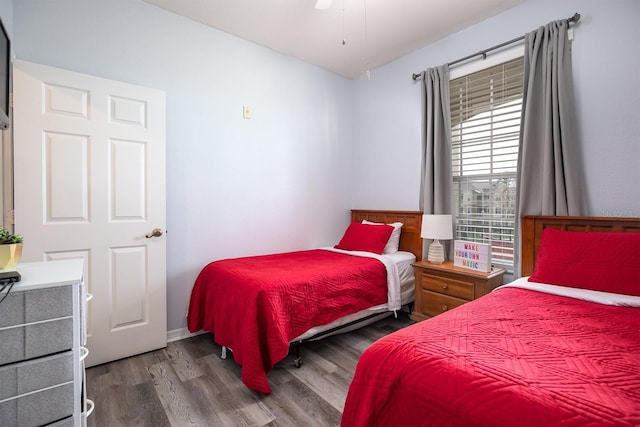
441	287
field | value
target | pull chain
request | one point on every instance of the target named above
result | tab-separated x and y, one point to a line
344	39
366	36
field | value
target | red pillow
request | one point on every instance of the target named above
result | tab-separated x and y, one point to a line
600	261
365	237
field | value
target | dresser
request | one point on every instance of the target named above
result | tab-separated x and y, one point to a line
42	333
441	287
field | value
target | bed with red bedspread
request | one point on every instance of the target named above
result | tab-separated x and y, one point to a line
257	305
565	352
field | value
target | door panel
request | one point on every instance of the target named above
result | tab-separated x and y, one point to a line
128	290
89	164
128	187
66	178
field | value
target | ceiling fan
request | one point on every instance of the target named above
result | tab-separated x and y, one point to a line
326	4
323	4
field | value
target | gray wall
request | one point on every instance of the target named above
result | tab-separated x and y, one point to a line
388	122
279	181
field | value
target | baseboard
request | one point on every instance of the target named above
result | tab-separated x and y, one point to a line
180	334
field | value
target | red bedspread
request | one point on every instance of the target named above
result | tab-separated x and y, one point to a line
257	305
511	358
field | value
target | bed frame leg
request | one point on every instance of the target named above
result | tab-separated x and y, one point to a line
298	359
223	353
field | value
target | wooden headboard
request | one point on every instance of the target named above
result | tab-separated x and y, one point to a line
532	226
410	239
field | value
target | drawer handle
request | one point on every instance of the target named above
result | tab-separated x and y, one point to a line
445	308
84	352
91	406
445	286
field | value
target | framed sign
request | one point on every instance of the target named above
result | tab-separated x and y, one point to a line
475	256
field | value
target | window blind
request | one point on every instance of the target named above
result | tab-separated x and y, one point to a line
486	108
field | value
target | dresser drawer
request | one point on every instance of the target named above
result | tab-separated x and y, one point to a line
35	340
435	303
448	286
36	305
37	409
36	374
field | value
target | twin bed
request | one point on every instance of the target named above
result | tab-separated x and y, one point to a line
259	306
562	349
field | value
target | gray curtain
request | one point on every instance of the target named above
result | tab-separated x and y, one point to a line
437	177
549	162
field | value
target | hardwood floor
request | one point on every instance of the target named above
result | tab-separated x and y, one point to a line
187	384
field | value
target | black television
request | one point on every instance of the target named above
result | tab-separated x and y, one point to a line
5	73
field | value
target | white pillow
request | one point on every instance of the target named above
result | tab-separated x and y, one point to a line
394	240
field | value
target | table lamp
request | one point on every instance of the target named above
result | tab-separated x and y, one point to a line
436	227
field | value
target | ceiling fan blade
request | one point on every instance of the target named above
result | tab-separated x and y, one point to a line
323	4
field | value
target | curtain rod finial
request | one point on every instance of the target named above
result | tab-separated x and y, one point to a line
575	18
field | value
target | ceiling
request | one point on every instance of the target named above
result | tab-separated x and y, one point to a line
393	28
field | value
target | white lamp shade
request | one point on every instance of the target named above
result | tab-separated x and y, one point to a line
437	227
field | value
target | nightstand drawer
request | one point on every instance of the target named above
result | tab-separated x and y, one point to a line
441	287
448	286
436	303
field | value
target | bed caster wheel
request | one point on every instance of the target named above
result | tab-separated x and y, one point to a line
297	362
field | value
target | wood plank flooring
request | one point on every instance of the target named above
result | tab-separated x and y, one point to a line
187	384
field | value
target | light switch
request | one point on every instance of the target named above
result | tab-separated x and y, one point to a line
246	111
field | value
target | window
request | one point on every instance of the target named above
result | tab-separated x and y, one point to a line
485	128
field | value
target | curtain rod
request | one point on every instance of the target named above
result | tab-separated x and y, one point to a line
415	76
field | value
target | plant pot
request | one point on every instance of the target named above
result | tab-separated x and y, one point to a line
10	255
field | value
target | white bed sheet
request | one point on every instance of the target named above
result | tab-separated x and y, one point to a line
606	298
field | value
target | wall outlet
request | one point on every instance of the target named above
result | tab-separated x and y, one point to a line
246	111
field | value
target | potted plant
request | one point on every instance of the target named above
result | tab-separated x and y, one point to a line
10	249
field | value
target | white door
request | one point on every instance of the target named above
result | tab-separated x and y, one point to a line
89	165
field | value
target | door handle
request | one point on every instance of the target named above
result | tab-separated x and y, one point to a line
156	232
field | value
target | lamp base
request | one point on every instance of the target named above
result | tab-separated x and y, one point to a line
436	253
